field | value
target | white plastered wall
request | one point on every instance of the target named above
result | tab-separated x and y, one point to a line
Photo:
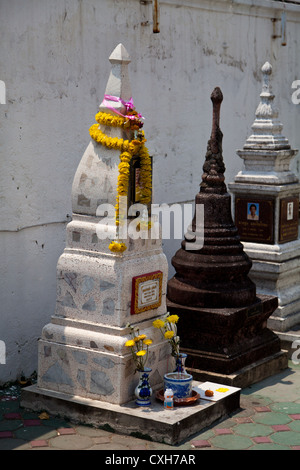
54	63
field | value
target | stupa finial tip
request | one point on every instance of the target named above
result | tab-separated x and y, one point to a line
119	55
266	68
217	95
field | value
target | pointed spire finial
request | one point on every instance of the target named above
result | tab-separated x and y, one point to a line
266	127
266	73
214	168
118	83
216	98
119	55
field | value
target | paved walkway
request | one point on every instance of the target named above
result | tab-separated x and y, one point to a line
269	419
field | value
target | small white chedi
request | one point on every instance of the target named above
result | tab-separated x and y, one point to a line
82	350
272	239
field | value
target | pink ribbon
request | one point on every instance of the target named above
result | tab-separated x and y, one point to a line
128	105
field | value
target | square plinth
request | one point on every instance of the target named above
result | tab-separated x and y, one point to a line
152	422
224	341
248	375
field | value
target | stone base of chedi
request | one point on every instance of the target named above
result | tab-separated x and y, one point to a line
223	321
82	350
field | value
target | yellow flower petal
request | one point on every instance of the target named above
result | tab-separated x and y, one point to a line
158	323
147	342
172	318
141	353
140	337
169	334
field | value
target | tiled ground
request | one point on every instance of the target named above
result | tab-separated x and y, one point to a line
257	427
269	419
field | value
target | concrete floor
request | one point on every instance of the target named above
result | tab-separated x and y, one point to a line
268	418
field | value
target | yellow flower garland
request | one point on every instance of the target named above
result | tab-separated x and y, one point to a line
128	149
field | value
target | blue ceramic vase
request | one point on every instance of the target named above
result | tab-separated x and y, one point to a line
180	363
143	391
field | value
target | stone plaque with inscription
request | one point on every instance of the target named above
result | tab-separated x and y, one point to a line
289	219
146	292
254	219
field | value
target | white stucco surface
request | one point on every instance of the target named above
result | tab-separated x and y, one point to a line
54	63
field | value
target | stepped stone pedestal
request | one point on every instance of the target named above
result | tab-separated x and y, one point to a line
223	320
270	235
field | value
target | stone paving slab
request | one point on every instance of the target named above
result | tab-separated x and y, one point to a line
153	422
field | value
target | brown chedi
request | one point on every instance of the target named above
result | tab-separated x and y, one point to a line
223	322
216	275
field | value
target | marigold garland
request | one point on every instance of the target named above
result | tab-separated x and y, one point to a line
117	247
128	149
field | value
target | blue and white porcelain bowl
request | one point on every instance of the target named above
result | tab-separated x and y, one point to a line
180	383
